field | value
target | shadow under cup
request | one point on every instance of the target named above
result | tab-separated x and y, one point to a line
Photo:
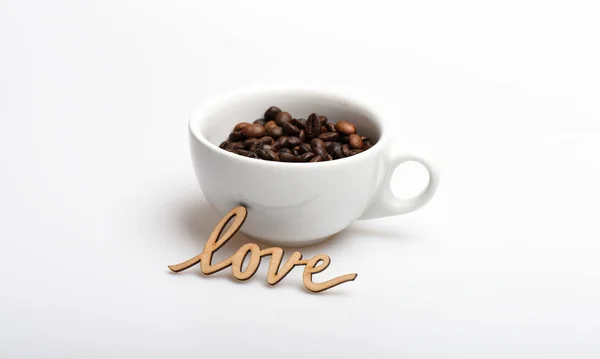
288	203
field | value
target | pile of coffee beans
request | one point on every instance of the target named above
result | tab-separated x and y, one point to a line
280	137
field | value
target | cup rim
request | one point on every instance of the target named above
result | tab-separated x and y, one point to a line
221	99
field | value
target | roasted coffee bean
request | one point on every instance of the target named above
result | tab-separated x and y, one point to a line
356	142
253	131
235	146
274	132
280	137
287	157
283	117
236	136
305	147
275	146
335	150
270	124
267	155
294	141
329	136
299	122
244	153
305	157
345	149
266	140
345	128
317	142
313	127
249	142
319	151
240	125
290	129
283	141
272	113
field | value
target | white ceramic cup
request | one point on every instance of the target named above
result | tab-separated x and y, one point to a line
298	203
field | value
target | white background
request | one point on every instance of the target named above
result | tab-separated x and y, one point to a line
97	193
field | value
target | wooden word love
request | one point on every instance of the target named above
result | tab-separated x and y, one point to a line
275	274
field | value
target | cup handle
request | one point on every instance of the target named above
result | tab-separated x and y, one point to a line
386	204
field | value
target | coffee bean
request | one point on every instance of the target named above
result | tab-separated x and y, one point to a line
356	142
274	132
290	129
320	151
275	147
272	156
335	150
283	141
270	124
235	146
280	137
253	131
244	153
294	141
313	127
317	142
283	117
236	136
267	155
249	142
305	157
305	147
272	113
329	136
345	149
345	128
287	157
266	140
299	122
240	125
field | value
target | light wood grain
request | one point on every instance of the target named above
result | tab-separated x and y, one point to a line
275	273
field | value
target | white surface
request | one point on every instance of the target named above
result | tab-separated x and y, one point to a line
98	194
292	203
